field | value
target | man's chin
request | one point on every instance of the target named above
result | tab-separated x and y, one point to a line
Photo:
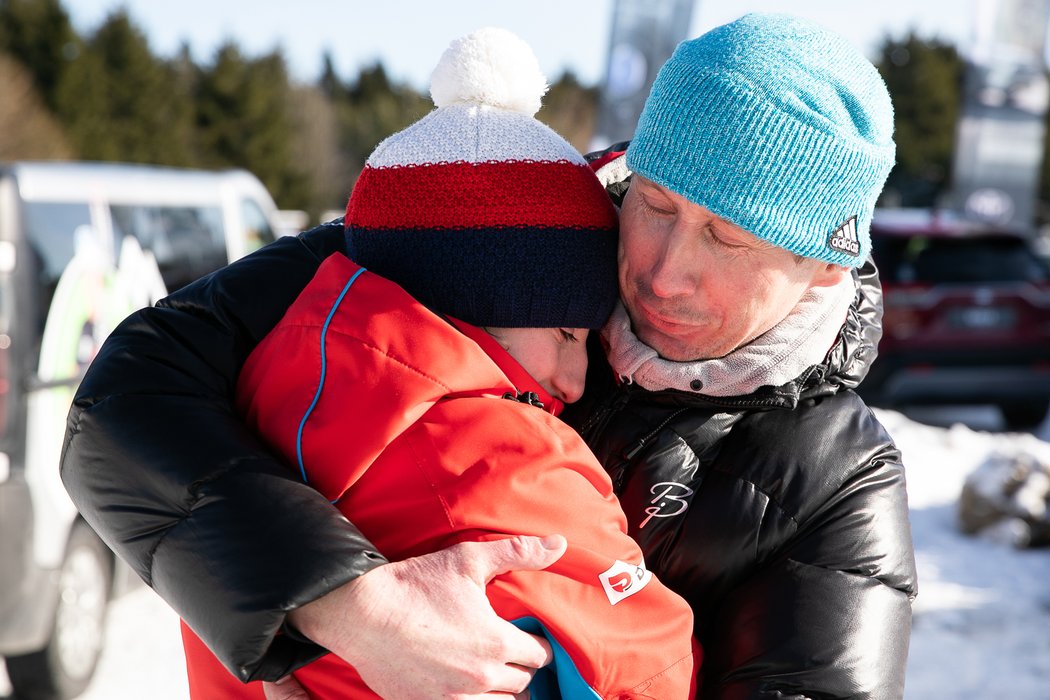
670	348
701	344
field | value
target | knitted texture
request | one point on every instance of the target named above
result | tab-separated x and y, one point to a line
777	125
482	212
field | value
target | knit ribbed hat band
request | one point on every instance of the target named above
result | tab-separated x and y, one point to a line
777	126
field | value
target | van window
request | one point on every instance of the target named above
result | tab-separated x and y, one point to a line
187	242
257	231
49	229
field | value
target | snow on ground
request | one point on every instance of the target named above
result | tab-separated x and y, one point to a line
981	624
982	619
143	656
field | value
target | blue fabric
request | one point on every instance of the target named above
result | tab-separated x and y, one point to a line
560	680
777	125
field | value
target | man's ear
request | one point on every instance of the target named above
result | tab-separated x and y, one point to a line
829	274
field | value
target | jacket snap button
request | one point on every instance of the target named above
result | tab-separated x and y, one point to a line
696	385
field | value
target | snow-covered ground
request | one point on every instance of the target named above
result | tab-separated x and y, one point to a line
982	619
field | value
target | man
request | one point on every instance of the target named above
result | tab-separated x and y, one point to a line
760	487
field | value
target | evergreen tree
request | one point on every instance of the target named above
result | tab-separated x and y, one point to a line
571	109
27	128
329	82
925	80
120	102
39	34
185	77
373	109
244	120
315	139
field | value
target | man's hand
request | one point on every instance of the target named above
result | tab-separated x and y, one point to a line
285	689
422	628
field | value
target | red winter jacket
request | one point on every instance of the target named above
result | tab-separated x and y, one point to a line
400	417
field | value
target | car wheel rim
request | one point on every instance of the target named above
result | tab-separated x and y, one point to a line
81	612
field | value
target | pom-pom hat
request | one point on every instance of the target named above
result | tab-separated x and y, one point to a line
777	125
480	211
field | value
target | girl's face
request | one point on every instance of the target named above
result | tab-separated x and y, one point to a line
555	357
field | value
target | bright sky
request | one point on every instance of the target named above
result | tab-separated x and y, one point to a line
409	37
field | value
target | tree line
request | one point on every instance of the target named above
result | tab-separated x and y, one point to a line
105	95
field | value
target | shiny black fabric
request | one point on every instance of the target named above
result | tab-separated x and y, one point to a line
795	548
781	516
161	467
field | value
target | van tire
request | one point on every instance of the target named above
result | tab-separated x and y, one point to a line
63	669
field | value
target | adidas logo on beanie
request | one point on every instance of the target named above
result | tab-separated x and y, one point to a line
777	125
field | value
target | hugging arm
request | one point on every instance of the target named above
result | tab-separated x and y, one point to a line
161	466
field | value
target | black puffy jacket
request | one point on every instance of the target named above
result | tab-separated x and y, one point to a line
795	549
160	465
781	517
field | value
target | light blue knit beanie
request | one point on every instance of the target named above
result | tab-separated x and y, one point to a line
777	125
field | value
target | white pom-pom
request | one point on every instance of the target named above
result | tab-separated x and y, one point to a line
489	67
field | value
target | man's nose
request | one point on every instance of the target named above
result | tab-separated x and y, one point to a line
674	270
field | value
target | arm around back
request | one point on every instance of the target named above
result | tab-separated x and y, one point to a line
161	466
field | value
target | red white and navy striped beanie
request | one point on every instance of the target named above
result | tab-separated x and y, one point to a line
480	211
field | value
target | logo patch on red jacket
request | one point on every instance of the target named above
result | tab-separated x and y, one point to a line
622	580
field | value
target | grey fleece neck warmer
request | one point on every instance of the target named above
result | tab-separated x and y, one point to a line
776	357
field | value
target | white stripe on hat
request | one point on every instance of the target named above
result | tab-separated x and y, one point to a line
473	134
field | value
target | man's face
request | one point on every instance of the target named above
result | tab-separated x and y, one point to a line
697	286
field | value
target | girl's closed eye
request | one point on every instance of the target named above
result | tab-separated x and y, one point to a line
568	336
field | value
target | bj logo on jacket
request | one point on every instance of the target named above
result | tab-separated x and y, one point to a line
622	580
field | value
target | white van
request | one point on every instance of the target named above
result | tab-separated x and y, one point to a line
82	245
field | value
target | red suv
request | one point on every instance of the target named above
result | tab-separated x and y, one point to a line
967	317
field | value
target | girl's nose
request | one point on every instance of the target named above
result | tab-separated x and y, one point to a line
572	375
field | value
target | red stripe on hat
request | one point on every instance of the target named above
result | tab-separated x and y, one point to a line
471	195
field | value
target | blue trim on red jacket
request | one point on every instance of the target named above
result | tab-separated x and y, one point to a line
320	383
